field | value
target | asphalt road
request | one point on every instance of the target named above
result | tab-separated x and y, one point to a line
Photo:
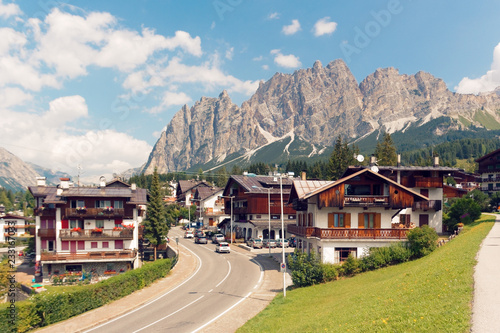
219	283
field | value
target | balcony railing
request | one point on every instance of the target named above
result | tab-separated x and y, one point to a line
97	255
366	200
95	212
43	211
18	226
91	234
49	233
347	233
426	205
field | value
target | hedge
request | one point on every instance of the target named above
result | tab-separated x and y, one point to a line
51	307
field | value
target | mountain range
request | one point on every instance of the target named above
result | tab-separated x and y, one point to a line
16	175
300	115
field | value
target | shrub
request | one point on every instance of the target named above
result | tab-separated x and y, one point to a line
422	241
330	272
463	210
351	266
306	269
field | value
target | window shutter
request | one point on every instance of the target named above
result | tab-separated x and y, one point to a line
65	245
330	220
118	221
44	244
64	224
377	222
310	220
81	245
361	220
347	220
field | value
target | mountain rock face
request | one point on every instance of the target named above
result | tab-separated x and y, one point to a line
14	173
314	105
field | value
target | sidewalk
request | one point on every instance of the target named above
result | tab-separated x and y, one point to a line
486	304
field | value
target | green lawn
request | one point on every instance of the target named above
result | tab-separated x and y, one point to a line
432	294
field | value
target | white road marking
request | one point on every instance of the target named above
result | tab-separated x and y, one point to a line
228	272
156	299
196	300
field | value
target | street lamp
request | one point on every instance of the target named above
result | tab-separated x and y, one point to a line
230	231
283	236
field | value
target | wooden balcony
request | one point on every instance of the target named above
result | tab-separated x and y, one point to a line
347	233
96	213
96	255
426	205
42	211
68	234
366	200
47	233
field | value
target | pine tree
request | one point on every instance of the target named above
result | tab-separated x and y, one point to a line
340	159
155	226
385	151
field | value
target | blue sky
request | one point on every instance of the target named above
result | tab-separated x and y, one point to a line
93	83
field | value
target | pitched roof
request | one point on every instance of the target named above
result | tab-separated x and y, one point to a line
343	180
493	153
186	185
203	192
260	184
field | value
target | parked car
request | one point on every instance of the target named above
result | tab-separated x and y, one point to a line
256	243
188	234
199	233
217	238
222	247
201	240
269	243
279	242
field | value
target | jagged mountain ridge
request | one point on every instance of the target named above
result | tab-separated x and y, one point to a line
313	105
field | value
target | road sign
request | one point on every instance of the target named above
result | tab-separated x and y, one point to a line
283	265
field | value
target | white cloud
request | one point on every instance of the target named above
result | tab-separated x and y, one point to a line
259	58
13	96
229	53
8	10
170	99
287	61
292	28
62	147
487	82
11	41
175	72
275	51
324	27
265	67
274	16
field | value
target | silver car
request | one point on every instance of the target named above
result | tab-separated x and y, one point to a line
222	247
256	243
269	243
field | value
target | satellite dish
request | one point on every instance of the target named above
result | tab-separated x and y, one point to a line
360	158
374	168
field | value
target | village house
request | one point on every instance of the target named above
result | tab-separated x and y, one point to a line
14	226
256	206
489	170
91	229
210	205
350	215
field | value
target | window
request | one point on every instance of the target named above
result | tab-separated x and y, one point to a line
102	203
339	220
65	245
81	245
110	267
291	217
275	217
118	204
119	244
105	245
258	216
369	221
341	253
77	203
491	167
75	224
404	218
93	245
99	223
74	268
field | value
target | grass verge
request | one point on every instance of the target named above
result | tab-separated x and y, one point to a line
432	294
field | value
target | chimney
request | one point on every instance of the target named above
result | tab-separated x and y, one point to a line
436	161
133	187
102	182
399	160
373	160
64	183
41	181
59	191
303	175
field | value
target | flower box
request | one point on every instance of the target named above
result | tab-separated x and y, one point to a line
109	272
81	209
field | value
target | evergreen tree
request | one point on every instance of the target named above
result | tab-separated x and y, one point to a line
385	151
342	156
155	226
